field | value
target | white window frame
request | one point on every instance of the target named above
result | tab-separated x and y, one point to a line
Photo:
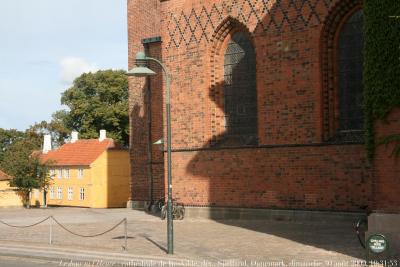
52	173
80	173
66	173
59	173
82	193
70	193
36	192
51	192
59	192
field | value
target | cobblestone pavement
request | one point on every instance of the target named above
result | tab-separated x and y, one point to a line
233	243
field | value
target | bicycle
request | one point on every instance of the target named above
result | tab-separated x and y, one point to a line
160	203
178	210
361	228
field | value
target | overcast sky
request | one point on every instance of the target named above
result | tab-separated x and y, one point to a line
45	44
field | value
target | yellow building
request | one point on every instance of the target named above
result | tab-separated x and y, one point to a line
86	173
9	196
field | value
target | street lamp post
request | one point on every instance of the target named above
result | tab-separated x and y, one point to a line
141	70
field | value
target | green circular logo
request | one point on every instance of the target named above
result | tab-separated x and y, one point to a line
377	243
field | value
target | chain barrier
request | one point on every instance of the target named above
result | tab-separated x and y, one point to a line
25	226
95	235
51	218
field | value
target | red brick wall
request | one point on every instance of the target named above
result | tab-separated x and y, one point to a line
387	167
287	40
156	133
143	21
310	177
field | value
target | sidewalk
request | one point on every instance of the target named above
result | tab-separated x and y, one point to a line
200	240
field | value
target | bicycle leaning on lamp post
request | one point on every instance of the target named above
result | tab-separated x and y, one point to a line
141	70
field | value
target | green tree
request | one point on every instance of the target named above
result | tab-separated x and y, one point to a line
25	168
98	101
7	138
56	128
381	68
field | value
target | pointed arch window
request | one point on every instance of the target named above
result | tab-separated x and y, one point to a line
350	74
240	96
342	64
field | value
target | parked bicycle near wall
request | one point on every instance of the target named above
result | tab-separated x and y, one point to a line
178	209
361	228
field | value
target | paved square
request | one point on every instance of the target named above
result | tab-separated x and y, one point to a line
228	242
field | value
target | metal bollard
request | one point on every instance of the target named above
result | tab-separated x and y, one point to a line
51	231
126	234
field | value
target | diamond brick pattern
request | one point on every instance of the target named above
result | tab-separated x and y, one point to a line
198	25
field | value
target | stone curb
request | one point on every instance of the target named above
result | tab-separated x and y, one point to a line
97	258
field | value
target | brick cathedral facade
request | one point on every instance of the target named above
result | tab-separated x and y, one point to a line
263	115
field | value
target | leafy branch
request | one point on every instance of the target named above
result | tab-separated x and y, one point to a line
391	139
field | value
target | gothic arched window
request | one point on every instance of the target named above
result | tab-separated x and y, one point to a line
240	96
350	74
342	73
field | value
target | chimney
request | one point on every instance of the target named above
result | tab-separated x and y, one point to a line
46	143
74	136
103	135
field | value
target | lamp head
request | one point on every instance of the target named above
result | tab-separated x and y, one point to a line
141	70
159	142
140	58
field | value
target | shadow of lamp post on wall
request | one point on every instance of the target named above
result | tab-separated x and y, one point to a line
141	70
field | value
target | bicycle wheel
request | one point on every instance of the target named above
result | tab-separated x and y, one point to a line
174	212
361	229
180	213
183	211
163	212
160	203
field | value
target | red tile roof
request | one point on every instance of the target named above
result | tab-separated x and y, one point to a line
82	152
4	176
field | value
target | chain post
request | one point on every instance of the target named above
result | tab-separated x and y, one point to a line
126	234
51	231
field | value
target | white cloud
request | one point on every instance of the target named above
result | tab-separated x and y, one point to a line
72	67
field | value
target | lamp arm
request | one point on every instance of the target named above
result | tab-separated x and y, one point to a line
167	77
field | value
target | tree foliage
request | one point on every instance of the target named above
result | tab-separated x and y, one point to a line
32	137
7	138
25	168
19	158
381	64
98	101
56	128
